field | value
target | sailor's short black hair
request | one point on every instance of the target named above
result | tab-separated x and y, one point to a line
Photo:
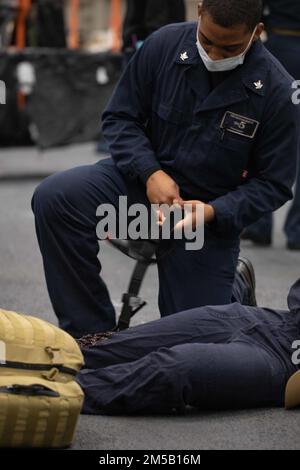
229	13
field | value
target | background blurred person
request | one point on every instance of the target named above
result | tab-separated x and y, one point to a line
282	20
8	13
143	17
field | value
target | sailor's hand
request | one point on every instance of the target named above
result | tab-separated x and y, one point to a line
192	216
162	189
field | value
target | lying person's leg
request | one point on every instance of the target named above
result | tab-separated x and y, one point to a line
207	376
200	325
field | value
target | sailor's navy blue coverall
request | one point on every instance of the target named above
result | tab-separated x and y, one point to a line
214	357
283	26
231	142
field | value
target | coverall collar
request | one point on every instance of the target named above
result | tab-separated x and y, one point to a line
251	76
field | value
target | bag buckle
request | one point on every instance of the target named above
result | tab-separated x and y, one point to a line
54	354
51	375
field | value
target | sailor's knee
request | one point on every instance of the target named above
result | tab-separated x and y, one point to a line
46	196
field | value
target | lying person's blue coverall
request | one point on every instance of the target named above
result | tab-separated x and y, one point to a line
219	357
230	356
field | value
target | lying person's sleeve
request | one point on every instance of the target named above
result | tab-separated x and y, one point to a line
125	118
273	174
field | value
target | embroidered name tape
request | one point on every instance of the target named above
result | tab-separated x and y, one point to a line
241	125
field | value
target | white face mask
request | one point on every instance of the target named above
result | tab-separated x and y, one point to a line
222	65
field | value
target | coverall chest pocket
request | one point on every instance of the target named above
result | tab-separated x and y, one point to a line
169	126
230	156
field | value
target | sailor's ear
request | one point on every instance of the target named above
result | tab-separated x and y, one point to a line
259	30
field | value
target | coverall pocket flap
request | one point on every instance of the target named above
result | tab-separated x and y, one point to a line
171	114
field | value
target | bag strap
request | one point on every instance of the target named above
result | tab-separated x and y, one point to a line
132	303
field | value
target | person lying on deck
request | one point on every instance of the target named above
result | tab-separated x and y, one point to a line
213	358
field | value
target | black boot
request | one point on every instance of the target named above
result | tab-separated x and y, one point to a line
245	270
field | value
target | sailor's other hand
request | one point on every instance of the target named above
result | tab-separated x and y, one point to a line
162	189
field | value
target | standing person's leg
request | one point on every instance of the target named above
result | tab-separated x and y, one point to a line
207	376
134	29
292	225
177	11
260	232
65	207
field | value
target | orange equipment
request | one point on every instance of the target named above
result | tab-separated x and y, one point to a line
116	24
73	41
24	9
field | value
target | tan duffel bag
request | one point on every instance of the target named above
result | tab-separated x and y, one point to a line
292	392
39	399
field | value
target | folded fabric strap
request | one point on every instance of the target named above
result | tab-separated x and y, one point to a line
89	341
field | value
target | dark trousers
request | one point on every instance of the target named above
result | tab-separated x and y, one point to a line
287	51
197	358
143	17
65	207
